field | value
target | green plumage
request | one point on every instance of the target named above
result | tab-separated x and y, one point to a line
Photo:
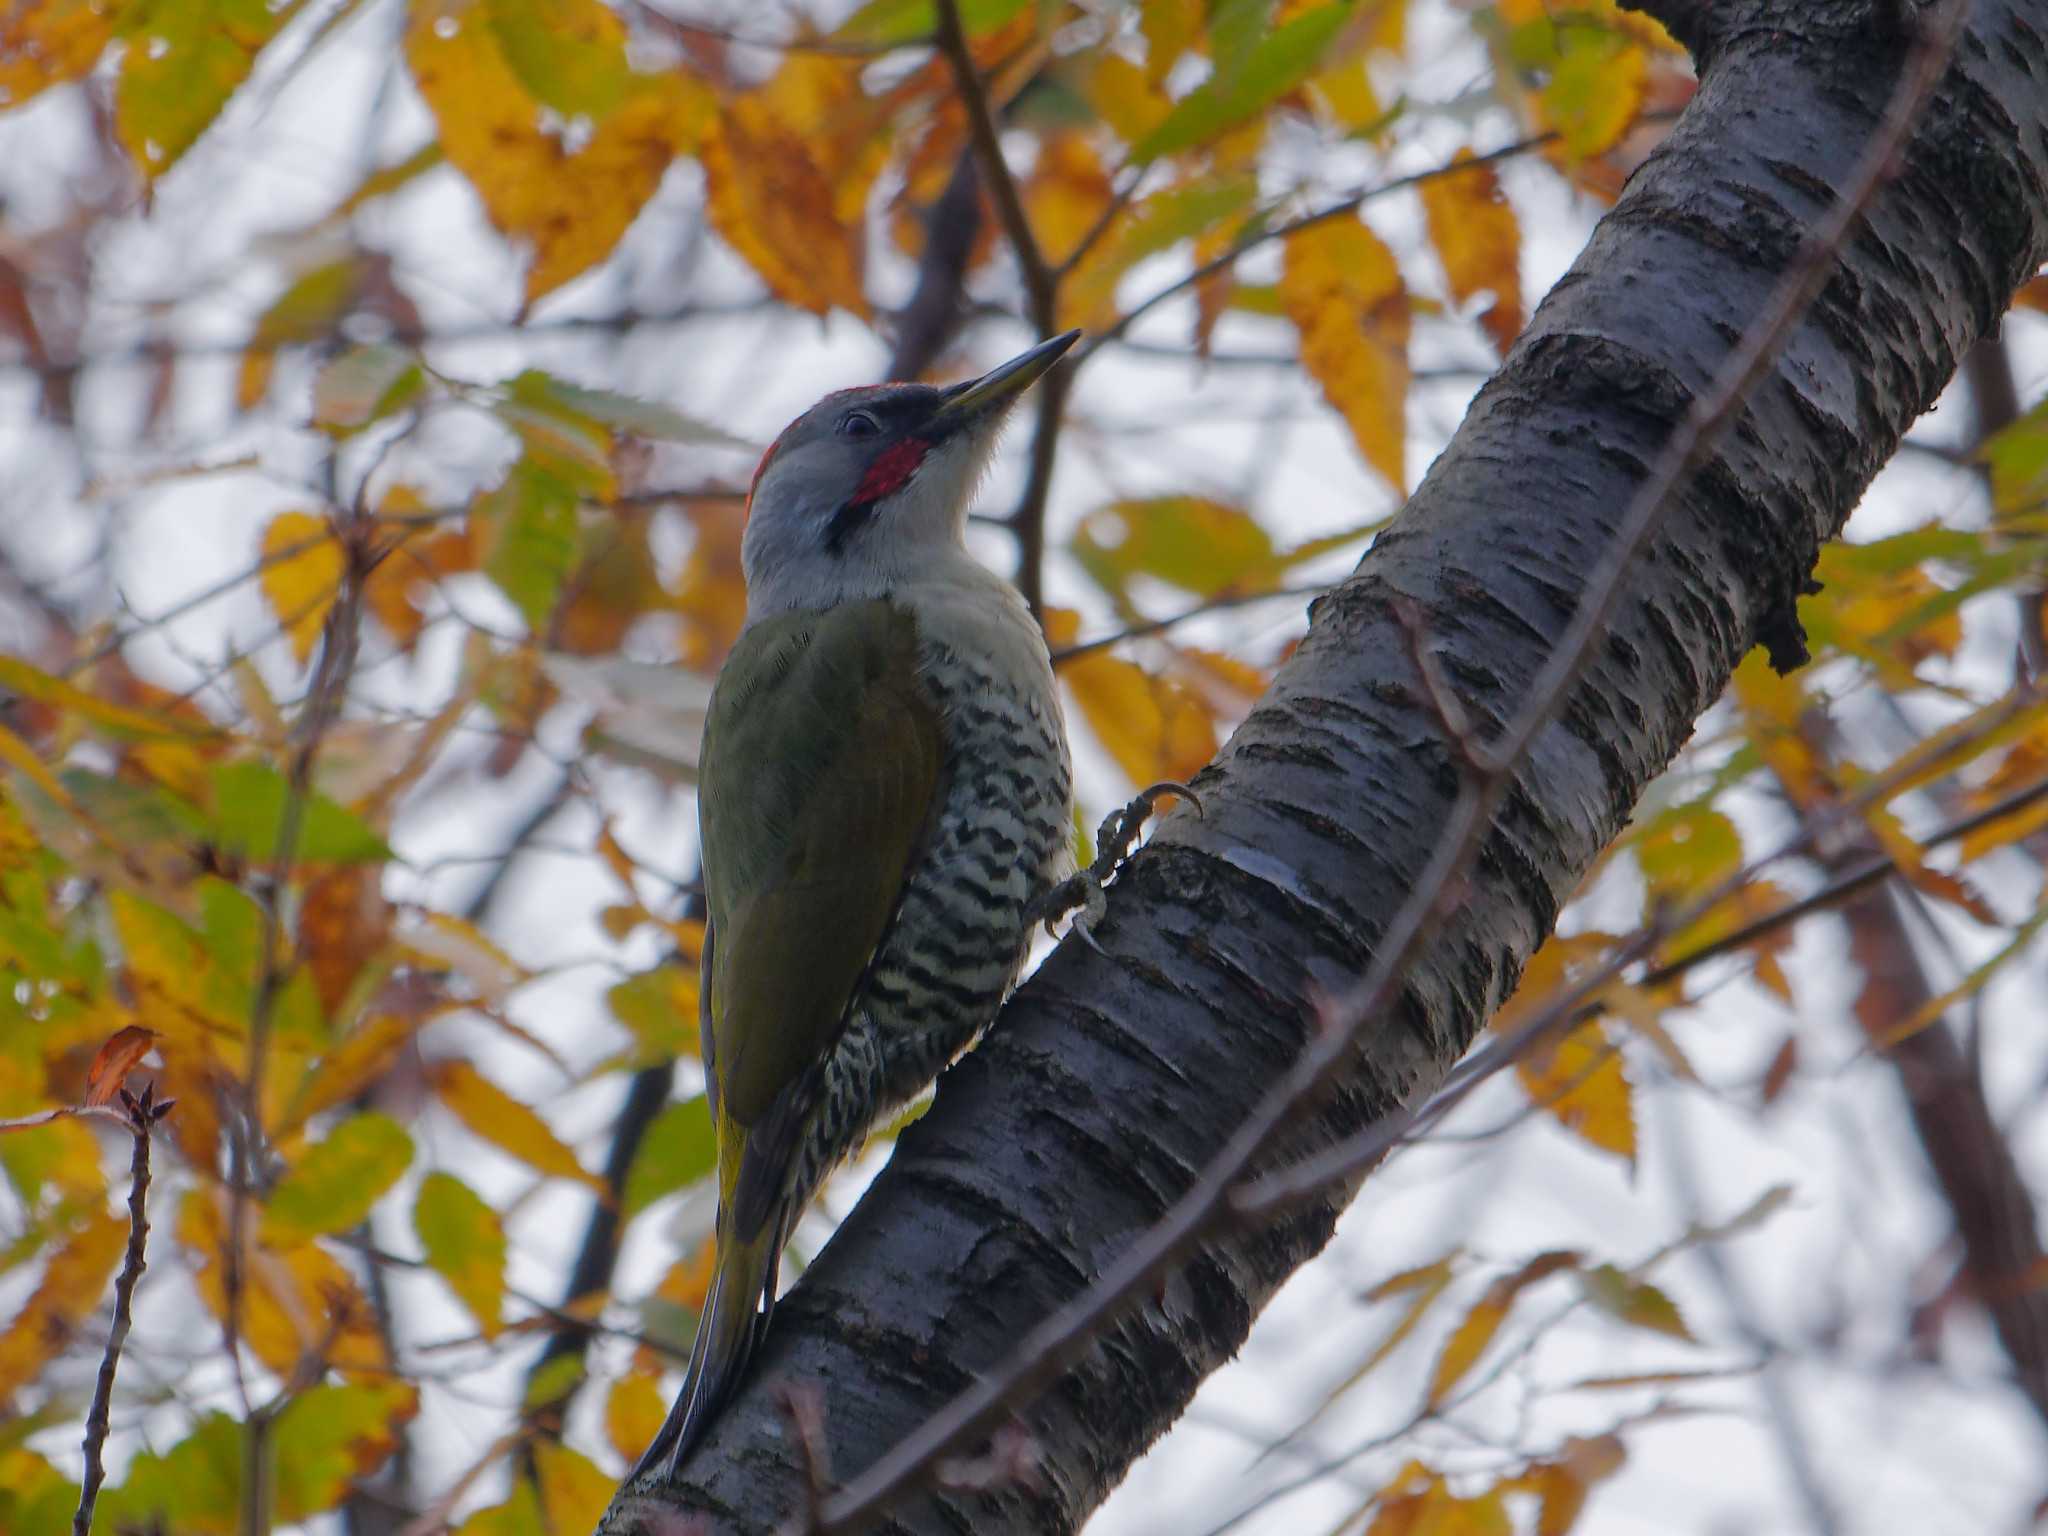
821	762
820	772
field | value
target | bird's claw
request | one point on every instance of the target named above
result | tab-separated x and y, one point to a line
1113	840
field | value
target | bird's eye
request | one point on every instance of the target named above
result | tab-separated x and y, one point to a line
858	424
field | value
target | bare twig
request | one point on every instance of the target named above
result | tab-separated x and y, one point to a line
1207	606
1041	290
339	646
1040	287
937	304
1051	1347
142	1115
1351	202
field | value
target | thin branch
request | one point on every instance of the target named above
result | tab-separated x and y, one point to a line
1041	288
339	646
1059	1339
1349	203
928	322
1156	626
142	1115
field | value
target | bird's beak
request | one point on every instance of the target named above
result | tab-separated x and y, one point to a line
992	393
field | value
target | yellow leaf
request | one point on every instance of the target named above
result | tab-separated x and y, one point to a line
70	1289
1170	28
47	42
1562	1485
1595	91
1341	288
302	566
1469	1339
1065	195
787	171
360	1058
1773	708
493	1114
571	209
1579	1081
633	1411
573	1492
1155	727
293	1306
1480	243
1125	97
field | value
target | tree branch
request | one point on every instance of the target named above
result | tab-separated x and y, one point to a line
1110	1085
142	1115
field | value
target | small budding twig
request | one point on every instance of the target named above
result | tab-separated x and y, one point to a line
143	1114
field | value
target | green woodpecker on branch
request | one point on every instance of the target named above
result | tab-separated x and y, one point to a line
884	800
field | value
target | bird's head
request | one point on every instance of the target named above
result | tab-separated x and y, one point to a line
865	488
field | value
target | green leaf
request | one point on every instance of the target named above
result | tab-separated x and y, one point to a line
366	384
533	534
648	1005
553	1381
336	1181
194	1488
249	799
329	1436
1632	1301
183	59
519	1515
628	414
2018	459
569	54
465	1245
1190	542
308	309
1687	848
35	1498
680	1148
888	23
1268	70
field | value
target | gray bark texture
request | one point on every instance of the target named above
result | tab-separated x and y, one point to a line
1108	1083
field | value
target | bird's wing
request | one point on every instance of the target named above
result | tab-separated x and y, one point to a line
822	761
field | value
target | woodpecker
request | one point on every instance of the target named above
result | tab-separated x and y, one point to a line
884	800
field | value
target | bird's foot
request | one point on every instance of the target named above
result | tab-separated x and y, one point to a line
1085	888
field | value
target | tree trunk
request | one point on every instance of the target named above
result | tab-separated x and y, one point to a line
1108	1084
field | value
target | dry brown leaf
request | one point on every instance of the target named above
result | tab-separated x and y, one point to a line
114	1060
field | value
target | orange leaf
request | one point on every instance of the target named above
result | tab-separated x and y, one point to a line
1066	194
1480	243
114	1060
47	42
633	1411
1579	1081
301	574
571	209
787	170
1341	288
493	1114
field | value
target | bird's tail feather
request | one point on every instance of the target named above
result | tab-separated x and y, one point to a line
735	1316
